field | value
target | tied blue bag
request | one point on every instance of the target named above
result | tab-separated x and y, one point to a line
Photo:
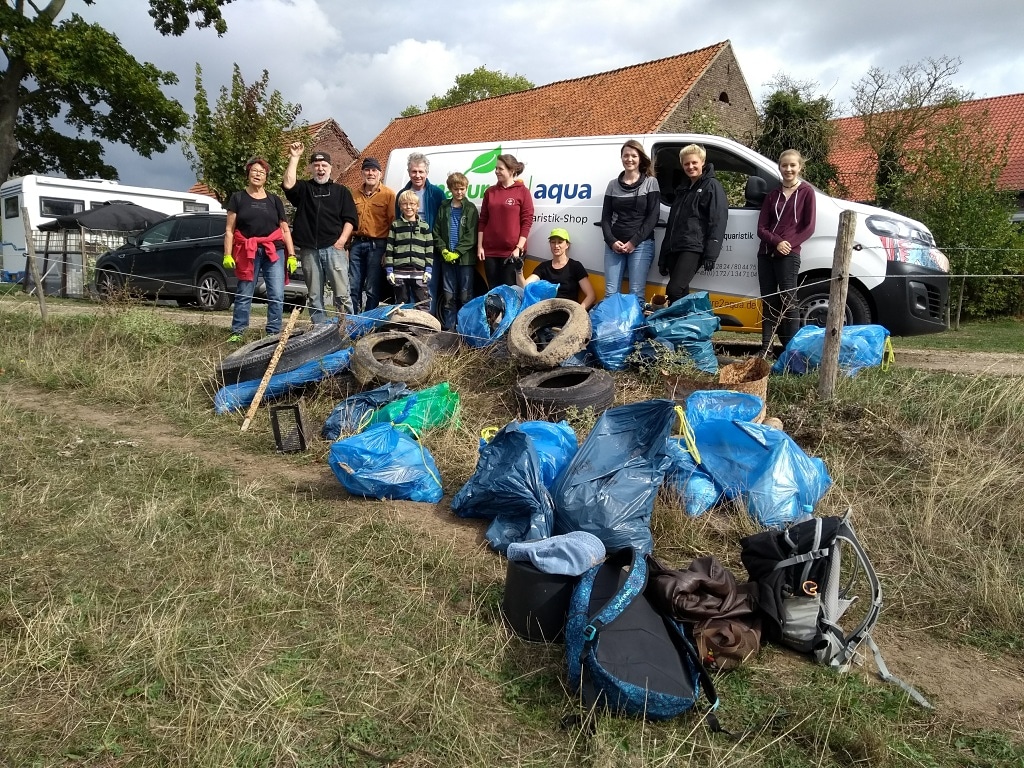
763	466
609	487
350	414
617	323
483	320
860	346
385	463
507	486
708	404
536	291
689	323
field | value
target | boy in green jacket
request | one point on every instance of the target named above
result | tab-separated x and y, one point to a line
455	232
409	252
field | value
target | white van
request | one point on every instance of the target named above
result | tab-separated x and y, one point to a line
898	278
47	197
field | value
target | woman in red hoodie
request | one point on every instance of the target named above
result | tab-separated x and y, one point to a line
506	215
786	221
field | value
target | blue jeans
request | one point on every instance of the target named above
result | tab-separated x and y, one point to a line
639	264
435	285
458	290
365	270
273	276
319	265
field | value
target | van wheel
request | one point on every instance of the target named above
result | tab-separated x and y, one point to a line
549	394
212	292
812	305
548	333
391	356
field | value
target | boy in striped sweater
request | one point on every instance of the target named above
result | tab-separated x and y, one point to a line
410	252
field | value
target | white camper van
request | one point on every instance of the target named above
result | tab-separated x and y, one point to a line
898	278
47	197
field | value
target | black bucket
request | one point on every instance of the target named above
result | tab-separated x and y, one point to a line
536	603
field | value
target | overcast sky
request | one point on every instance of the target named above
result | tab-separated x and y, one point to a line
362	63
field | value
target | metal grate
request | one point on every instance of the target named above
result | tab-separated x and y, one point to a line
289	424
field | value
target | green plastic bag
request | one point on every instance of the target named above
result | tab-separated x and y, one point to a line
420	411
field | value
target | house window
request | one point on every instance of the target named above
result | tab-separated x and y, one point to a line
195	207
58	206
11	207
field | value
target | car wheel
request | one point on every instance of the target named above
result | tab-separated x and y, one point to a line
391	356
304	344
548	333
109	284
212	292
813	303
549	394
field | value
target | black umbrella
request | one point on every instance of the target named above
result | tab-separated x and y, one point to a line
113	215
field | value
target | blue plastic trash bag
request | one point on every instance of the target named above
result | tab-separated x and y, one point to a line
484	319
555	445
688	323
538	290
385	463
234	397
692	485
861	346
610	485
583	357
763	466
706	404
349	415
507	486
371	319
617	323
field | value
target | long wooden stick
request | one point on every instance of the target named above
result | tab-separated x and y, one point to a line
270	368
30	262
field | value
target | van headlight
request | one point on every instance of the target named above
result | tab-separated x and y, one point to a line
884	226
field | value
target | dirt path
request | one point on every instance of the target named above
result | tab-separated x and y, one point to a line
984	363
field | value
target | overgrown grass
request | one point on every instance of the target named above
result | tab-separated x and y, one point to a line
163	606
1004	334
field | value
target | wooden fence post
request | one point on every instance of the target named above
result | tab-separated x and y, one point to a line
837	304
30	254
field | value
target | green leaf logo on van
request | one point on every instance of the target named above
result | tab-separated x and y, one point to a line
485	163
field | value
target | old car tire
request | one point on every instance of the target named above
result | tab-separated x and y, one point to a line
109	284
391	356
304	344
212	291
567	324
812	304
411	319
551	393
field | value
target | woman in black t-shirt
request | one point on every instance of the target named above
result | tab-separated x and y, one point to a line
568	274
257	240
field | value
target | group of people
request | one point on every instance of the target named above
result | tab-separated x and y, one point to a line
427	245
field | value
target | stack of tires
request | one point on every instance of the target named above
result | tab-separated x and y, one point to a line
543	336
304	344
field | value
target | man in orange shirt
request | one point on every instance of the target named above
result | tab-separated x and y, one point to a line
376	206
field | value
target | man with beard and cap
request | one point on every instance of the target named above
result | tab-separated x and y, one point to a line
325	217
375	204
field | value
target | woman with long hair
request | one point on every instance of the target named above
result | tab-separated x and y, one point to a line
506	215
631	204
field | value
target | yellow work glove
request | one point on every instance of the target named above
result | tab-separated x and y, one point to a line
293	264
449	256
229	261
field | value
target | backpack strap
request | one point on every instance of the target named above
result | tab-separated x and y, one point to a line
631	587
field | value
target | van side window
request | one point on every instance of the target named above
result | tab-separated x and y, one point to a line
157	234
191	207
57	206
730	170
11	207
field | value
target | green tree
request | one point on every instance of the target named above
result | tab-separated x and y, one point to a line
898	109
80	74
793	117
245	122
949	180
473	86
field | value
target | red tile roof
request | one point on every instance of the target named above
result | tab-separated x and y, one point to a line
1005	113
635	99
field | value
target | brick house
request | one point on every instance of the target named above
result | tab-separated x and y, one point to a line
856	163
653	97
323	136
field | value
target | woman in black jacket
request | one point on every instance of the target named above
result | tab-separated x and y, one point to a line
696	223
